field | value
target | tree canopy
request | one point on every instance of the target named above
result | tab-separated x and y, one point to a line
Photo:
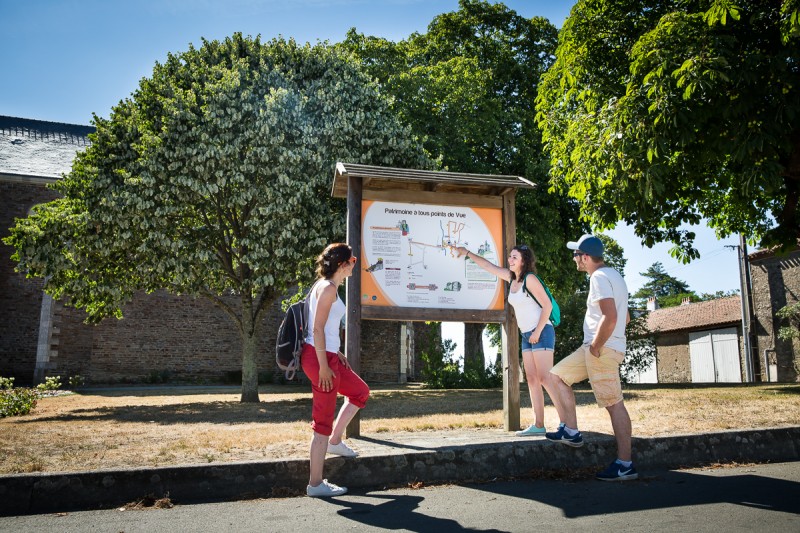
665	112
661	284
213	180
468	86
667	290
670	291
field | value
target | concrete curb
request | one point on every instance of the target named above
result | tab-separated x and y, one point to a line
440	461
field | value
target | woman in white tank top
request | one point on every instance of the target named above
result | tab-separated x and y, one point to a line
537	333
327	368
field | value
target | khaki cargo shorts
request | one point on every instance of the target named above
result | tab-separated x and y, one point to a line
602	372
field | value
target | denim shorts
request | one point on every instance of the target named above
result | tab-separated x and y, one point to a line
547	340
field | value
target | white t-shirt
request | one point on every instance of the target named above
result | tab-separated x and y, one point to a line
338	309
604	283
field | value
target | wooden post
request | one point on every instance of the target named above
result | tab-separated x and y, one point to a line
510	332
353	327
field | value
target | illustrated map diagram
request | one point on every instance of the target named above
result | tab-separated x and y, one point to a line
410	257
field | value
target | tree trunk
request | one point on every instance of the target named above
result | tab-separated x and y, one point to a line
473	346
426	335
249	367
249	370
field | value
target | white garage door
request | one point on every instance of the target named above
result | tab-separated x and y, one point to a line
715	356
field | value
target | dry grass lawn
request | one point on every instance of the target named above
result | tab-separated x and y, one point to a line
135	427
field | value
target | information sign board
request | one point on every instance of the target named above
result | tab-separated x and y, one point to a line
410	261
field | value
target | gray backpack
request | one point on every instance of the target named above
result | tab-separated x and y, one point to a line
292	337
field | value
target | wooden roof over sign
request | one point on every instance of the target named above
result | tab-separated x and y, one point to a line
386	178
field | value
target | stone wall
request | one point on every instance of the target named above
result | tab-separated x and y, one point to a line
166	337
160	337
380	348
178	338
776	283
674	363
20	298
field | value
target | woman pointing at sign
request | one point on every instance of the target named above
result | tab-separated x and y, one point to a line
532	307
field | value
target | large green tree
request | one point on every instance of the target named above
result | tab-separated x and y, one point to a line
468	86
665	112
661	284
213	180
670	291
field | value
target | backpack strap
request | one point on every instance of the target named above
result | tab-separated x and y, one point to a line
529	293
307	304
307	307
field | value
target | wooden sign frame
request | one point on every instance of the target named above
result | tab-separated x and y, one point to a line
364	182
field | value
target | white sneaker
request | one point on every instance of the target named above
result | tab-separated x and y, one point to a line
342	449
325	489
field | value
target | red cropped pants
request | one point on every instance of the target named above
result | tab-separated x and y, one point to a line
346	382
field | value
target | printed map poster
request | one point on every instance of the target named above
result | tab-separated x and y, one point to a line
410	258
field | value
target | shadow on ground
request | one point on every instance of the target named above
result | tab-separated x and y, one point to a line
671	489
578	498
382	405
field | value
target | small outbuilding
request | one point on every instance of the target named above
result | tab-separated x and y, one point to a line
699	342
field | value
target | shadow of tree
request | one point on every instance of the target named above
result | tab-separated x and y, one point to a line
784	390
382	405
148	391
214	412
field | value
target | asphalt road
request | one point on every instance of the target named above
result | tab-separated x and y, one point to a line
728	499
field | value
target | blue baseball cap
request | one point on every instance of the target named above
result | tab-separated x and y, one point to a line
588	244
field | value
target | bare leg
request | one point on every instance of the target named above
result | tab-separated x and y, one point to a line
544	362
534	388
567	399
319	447
346	414
621	422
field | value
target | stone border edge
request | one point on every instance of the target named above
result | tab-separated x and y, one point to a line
60	492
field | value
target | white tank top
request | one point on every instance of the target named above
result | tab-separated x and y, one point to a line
527	310
332	342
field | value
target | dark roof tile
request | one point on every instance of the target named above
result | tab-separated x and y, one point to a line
39	148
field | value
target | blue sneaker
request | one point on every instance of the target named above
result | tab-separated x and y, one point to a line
617	472
561	435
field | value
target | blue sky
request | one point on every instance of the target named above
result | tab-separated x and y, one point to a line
63	60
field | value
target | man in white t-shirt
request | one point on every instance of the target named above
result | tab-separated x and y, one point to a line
599	357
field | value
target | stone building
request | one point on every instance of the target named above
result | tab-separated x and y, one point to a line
699	342
162	336
775	283
33	154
